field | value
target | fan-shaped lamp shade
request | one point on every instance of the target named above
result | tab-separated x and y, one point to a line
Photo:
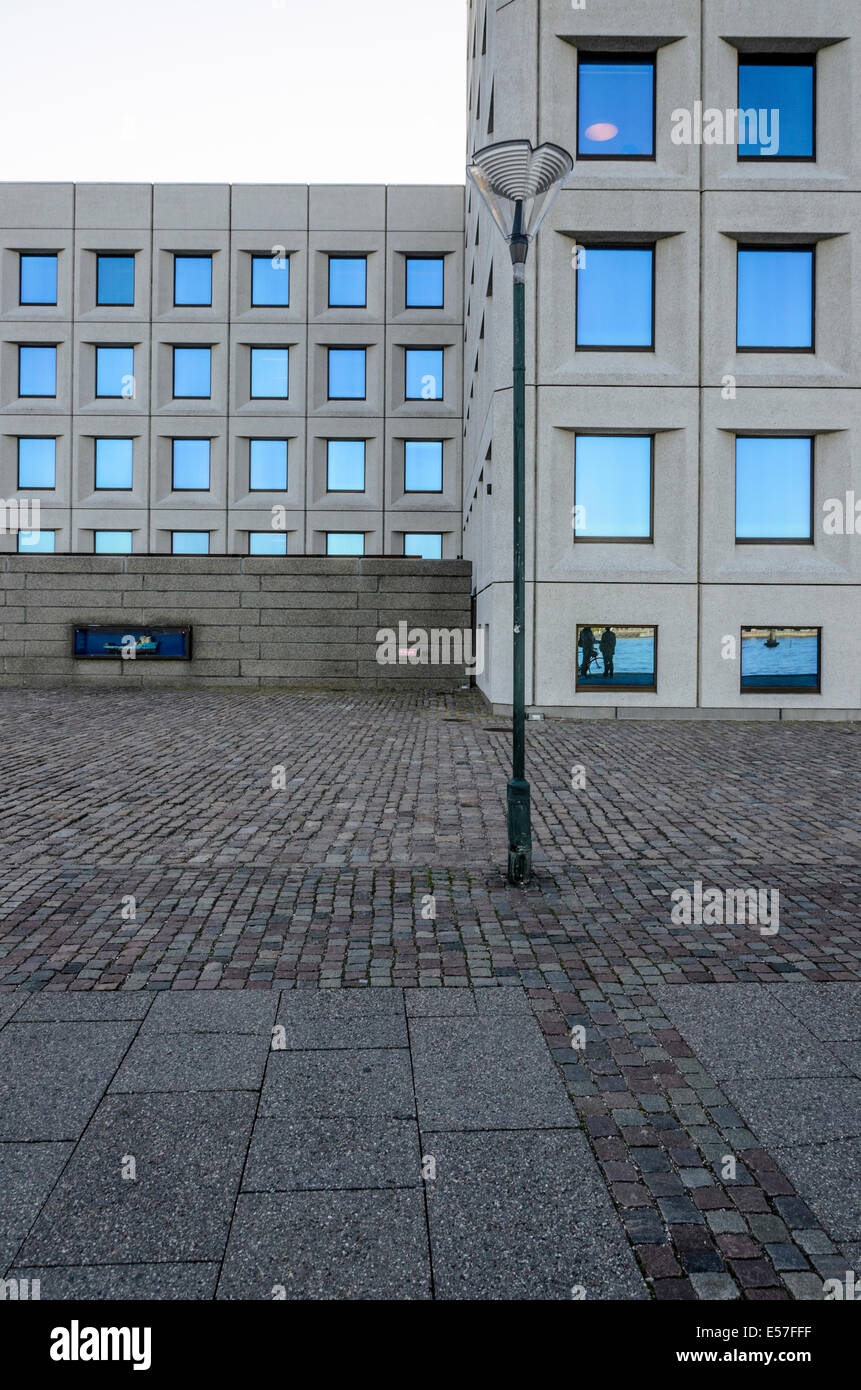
518	184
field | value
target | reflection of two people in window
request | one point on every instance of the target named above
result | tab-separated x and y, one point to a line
589	654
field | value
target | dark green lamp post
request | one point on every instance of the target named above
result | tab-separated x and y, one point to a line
518	185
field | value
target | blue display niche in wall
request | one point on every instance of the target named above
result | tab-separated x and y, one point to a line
133	643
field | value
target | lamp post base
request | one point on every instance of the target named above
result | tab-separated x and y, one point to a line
519	831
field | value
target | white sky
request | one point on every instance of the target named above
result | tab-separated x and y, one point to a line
244	91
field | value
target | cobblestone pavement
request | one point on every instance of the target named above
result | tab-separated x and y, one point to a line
145	848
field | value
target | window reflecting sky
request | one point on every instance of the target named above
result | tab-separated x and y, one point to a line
613	485
616	108
38	279
101	91
268	465
114	463
37	462
345	465
115	280
37	371
114	369
346	374
348	281
425	545
345	543
267	543
270	280
772	489
191	464
614	298
775	298
422	465
192	371
270	373
782	87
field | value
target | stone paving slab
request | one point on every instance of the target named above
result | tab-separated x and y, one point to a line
347	1084
307	1153
189	1151
210	1012
27	1174
328	1245
52	1075
524	1216
79	1283
342	1019
831	1012
800	1109
828	1175
100	1006
486	1073
193	1062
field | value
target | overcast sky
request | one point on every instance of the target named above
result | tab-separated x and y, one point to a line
272	91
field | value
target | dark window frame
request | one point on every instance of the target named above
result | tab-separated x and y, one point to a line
424	491
117	256
777	540
345	347
781	689
616	246
267	347
112	395
778	60
198	347
648	689
31	395
590	59
425	347
331	491
347	256
767	246
111	438
264	256
194	256
183	439
37	303
423	256
31	486
618	540
270	439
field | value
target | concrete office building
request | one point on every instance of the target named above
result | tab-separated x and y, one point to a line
693	361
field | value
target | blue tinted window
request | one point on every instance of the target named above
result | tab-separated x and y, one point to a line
270	373
190	465
115	280
37	463
38	279
192	371
781	95
613	486
424	282
772	489
424	374
346	374
268	465
192	279
779	658
37	542
113	542
616	107
345	543
267	543
348	281
37	371
614	297
423	465
114	459
270	281
345	465
425	545
114	371
775	298
190	543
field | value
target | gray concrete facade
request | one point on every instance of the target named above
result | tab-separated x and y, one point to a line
696	203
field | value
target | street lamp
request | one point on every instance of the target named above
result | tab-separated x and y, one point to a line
518	184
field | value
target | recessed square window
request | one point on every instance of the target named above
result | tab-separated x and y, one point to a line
775	299
189	543
112	542
424	545
190	470
422	465
777	102
773	489
115	279
267	465
345	465
348	277
37	542
613	656
425	279
192	280
114	464
615	298
192	373
345	542
424	374
347	374
115	369
267	543
38	279
37	371
779	659
613	487
270	373
616	106
37	462
270	282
